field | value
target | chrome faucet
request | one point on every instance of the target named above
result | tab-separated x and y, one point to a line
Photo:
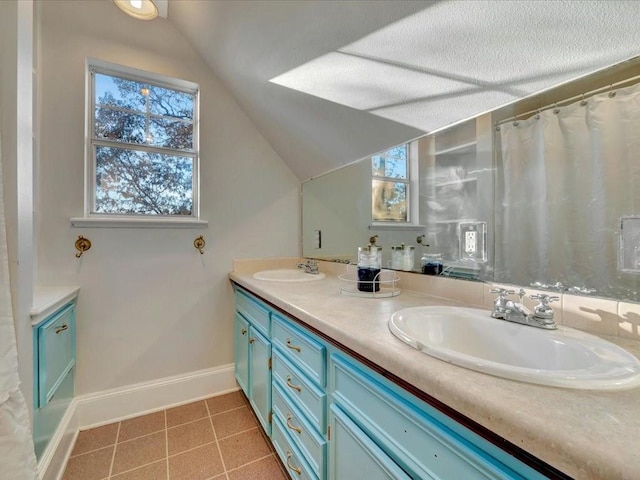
310	266
542	316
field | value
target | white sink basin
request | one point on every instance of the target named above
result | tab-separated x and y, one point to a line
287	275
470	338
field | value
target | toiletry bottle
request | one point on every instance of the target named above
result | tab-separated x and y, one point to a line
369	262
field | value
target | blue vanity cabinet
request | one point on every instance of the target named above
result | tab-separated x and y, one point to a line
253	354
299	398
422	441
335	418
54	352
352	454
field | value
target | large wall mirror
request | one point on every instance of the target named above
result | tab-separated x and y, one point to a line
545	191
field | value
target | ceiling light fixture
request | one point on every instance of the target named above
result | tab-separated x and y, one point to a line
140	9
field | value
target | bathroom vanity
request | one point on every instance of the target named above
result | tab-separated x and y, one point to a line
341	397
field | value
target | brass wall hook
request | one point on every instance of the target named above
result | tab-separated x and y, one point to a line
199	243
372	240
82	245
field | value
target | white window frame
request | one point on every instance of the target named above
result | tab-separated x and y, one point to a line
94	219
411	181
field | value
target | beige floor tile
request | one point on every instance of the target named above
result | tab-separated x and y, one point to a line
139	426
264	469
222	403
190	435
243	448
154	471
200	463
139	452
89	466
95	438
186	413
233	422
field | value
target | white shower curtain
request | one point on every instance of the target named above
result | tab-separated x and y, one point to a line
564	179
17	458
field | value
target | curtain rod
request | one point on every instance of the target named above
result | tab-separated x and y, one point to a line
568	100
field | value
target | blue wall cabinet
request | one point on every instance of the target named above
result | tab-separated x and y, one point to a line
54	350
335	418
253	355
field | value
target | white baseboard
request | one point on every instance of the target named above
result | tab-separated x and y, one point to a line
110	406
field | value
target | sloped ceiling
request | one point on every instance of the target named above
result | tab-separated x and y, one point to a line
330	82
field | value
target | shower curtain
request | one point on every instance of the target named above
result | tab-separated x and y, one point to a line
564	179
17	457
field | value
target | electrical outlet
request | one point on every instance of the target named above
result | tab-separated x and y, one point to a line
470	242
317	239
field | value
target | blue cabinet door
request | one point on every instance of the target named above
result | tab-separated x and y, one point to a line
241	343
56	351
354	455
260	377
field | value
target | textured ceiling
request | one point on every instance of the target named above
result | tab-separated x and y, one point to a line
330	82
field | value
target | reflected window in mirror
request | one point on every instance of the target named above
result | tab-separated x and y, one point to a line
390	185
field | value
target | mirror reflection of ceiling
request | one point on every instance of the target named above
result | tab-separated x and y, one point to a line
457	60
363	75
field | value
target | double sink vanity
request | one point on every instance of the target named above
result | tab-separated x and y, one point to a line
343	387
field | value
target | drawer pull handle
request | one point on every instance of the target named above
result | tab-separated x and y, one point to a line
251	340
291	385
244	331
62	328
298	470
292	427
292	347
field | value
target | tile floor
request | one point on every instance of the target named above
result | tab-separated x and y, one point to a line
217	438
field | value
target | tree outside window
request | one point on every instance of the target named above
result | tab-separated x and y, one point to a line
390	185
143	146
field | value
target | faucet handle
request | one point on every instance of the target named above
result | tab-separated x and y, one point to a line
502	291
544	298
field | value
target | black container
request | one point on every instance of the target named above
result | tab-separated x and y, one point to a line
432	268
368	279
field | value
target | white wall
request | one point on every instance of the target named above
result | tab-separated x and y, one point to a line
150	306
16	66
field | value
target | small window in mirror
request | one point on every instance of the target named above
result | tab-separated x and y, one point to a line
390	185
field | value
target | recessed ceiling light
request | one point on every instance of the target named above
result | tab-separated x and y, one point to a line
140	9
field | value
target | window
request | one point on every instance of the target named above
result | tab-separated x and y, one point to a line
143	145
390	185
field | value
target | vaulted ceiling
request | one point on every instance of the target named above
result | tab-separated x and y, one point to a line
329	82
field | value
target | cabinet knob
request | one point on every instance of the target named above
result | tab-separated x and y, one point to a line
292	427
293	347
62	328
251	340
291	385
244	331
298	470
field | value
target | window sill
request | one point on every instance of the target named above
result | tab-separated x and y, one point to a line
112	222
395	226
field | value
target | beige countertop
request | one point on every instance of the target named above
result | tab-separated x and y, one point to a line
585	434
48	299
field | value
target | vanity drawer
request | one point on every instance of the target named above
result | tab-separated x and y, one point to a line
419	442
304	352
56	351
254	311
293	460
307	397
303	434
